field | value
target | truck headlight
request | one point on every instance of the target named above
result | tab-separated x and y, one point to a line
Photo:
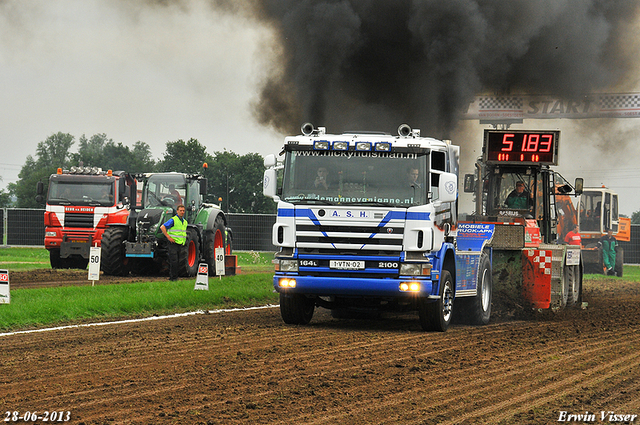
415	269
50	234
410	286
287	283
288	265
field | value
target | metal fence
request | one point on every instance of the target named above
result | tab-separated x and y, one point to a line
251	232
632	248
25	227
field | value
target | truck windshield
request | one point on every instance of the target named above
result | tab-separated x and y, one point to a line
591	211
355	178
81	193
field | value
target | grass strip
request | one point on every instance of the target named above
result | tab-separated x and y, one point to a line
33	308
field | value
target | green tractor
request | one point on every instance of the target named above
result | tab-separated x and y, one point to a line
139	247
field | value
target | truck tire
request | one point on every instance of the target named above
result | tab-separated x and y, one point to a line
575	287
228	248
114	262
80	263
478	308
296	309
54	259
573	284
619	261
213	238
436	316
189	265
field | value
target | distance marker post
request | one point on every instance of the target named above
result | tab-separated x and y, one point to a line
219	254
5	295
94	264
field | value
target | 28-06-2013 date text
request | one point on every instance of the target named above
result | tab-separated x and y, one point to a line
52	416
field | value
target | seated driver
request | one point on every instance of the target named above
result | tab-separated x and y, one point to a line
519	198
175	194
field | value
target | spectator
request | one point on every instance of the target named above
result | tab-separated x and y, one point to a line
573	237
609	244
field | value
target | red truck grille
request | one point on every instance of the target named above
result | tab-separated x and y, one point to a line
78	220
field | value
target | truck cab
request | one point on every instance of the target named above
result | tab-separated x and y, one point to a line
80	204
365	221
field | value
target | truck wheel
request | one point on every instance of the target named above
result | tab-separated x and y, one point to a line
296	309
436	316
80	263
54	259
619	261
479	308
228	248
568	298
114	262
572	284
189	267
214	238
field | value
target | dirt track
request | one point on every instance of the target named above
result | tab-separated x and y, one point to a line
248	367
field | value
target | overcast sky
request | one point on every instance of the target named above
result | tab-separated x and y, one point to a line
158	74
149	74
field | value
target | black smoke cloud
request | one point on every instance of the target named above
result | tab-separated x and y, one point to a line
372	64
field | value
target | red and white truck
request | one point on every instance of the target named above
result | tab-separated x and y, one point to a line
80	204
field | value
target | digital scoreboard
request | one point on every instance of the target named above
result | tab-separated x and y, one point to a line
521	147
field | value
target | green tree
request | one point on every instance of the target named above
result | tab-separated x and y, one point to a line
100	151
5	198
121	157
184	157
238	181
91	151
51	153
635	217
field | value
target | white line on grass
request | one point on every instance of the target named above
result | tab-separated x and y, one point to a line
145	319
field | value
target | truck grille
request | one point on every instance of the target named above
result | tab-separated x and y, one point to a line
361	240
78	220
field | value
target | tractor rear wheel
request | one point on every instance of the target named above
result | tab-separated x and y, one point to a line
114	262
189	265
619	261
214	238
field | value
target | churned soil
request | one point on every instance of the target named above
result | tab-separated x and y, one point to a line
248	367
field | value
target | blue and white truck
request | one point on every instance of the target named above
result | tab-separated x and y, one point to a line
368	221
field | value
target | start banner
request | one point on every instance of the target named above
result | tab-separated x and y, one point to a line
517	107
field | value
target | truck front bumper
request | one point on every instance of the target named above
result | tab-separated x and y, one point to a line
404	286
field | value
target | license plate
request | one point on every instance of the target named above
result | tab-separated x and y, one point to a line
79	240
346	265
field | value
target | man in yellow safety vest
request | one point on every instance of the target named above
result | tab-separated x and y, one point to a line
175	230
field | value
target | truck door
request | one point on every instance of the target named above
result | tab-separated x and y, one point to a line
546	206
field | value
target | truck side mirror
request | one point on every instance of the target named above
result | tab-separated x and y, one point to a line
469	183
40	192
270	161
579	185
448	187
203	187
270	183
